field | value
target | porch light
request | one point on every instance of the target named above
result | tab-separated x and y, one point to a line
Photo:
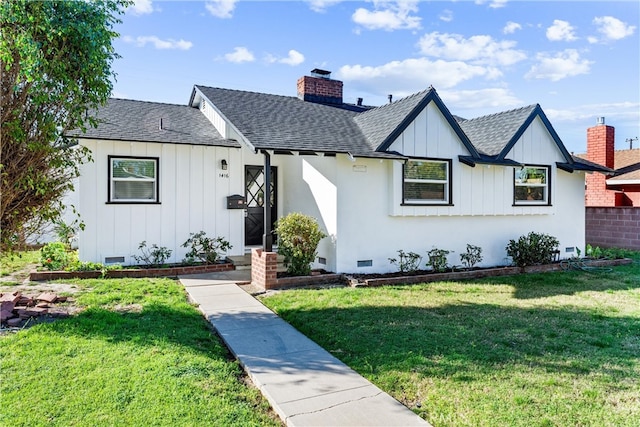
223	164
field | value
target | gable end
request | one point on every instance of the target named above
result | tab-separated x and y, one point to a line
432	96
537	112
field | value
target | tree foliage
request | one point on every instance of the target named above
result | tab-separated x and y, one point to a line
55	68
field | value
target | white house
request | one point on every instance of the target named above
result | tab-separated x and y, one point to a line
406	175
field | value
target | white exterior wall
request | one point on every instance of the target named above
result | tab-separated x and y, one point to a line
372	224
193	193
309	186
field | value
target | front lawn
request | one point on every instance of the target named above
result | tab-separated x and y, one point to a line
553	349
139	355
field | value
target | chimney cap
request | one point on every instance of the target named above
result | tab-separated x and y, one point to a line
600	121
317	72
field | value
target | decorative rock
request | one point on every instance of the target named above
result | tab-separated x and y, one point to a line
47	297
14	322
10	297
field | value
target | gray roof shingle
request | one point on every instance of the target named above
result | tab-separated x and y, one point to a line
275	122
129	120
378	123
490	134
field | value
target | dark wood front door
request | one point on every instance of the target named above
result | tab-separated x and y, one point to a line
254	193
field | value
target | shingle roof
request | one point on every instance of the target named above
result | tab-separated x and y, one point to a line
627	164
129	120
275	122
491	134
378	123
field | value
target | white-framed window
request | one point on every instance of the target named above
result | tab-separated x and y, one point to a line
133	179
531	185
426	182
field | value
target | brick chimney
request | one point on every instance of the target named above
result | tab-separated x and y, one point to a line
320	88
600	144
600	149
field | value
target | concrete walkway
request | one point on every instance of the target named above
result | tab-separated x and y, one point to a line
305	385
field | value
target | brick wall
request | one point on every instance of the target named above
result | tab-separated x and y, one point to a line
613	227
316	89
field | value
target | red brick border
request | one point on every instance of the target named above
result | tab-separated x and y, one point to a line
478	274
138	272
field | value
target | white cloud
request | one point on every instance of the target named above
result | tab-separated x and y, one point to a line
511	27
561	31
221	8
240	54
141	7
483	98
619	110
559	66
446	15
321	6
158	43
388	16
480	49
612	28
493	4
294	58
405	77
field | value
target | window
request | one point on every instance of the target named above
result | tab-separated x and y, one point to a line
531	185
426	181
133	180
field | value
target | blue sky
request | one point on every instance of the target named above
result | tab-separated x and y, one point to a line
578	60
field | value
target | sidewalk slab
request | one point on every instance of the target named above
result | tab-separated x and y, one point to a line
304	383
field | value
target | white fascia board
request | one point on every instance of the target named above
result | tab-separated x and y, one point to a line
623	181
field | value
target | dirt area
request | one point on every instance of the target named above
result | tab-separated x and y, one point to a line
28	309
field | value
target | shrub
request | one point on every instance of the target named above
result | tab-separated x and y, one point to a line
54	256
532	249
438	259
407	261
155	256
472	256
594	252
298	238
205	249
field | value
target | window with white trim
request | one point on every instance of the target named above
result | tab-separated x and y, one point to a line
133	179
426	181
531	185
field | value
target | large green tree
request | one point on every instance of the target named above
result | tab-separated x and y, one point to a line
55	68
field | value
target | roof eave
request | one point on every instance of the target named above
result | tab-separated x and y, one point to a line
483	160
615	182
576	166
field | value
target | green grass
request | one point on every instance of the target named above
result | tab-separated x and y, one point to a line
11	263
139	355
554	349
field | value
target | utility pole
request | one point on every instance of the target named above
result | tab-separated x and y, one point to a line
630	141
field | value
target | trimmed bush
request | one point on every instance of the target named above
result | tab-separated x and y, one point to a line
298	238
532	249
408	262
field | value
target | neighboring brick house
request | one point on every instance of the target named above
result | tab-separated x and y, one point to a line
622	188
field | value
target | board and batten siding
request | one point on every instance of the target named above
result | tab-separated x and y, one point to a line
373	225
193	193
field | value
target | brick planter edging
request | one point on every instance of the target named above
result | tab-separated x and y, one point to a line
490	272
299	281
137	273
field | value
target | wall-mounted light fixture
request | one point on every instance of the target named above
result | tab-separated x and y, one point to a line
223	164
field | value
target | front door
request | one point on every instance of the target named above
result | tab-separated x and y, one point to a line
254	193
